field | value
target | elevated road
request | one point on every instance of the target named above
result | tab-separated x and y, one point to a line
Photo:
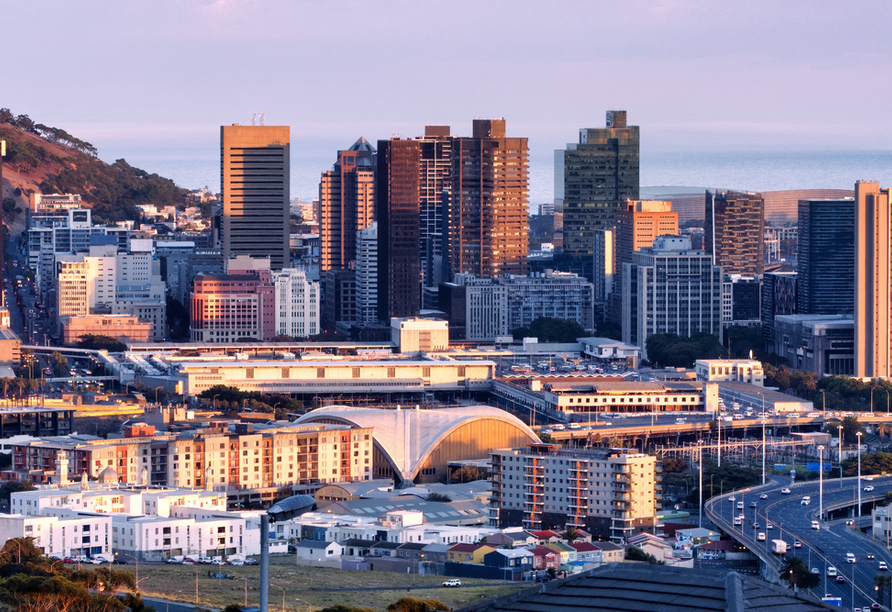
785	517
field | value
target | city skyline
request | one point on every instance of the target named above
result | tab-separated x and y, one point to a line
153	94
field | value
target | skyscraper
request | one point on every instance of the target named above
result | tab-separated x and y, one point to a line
826	256
593	180
399	218
255	169
487	222
435	185
346	203
873	281
735	231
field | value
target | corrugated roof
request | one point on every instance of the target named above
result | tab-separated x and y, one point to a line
623	587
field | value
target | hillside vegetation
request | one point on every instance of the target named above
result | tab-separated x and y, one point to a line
45	159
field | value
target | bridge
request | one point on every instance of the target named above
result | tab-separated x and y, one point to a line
783	516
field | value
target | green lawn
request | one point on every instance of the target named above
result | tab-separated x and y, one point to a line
307	588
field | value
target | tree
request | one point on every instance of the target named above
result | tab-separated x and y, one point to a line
850	429
798	574
551	330
438	497
412	604
98	342
634	553
570	534
674	464
467	473
59	364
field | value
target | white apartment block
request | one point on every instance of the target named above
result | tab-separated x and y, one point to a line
154	538
611	492
297	303
367	274
106	282
63	534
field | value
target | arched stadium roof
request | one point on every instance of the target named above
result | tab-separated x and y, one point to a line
408	436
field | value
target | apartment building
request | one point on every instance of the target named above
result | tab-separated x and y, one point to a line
608	492
730	370
246	465
64	534
297	303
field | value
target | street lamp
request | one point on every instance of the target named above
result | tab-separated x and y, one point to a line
839	428
700	487
214	401
821	482
858	485
764	421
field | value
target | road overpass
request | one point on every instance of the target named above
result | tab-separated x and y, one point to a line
783	516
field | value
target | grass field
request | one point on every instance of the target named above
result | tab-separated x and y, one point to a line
307	589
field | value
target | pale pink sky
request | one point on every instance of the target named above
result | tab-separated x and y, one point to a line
165	74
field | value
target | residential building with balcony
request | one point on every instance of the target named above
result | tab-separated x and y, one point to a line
608	492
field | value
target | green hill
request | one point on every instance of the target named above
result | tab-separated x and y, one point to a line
45	159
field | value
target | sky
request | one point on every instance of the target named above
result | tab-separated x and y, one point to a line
145	78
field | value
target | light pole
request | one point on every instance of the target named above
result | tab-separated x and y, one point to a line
763	443
719	449
700	463
824	401
839	457
821	482
214	401
858	485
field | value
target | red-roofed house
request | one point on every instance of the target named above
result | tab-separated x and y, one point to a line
587	552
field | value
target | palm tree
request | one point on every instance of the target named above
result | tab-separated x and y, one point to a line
570	534
797	573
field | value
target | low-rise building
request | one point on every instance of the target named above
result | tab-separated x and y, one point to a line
823	344
730	370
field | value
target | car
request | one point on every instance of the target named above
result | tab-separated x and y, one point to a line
188	562
806	500
752	504
883	566
797	544
769	526
870	556
815	570
869	488
840	579
761	537
69	560
740	505
218	562
831	571
850	558
785	491
815	525
455	582
763	496
756	525
850	522
868	478
250	561
875	606
731	499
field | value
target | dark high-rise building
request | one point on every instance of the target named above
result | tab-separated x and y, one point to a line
346	204
398	216
735	231
779	291
826	256
255	171
593	180
435	185
488	221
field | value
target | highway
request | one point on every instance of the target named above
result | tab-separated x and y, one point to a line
790	520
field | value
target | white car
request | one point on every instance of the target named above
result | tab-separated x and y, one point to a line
785	491
731	499
868	488
763	496
455	582
883	566
761	537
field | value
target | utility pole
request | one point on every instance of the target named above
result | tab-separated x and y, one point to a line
858	484
821	482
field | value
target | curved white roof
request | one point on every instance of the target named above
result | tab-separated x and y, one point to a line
408	436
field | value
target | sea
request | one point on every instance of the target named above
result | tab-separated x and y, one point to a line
738	170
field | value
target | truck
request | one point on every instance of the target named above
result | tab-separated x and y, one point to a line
779	547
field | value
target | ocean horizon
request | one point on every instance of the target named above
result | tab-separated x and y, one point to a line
739	170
